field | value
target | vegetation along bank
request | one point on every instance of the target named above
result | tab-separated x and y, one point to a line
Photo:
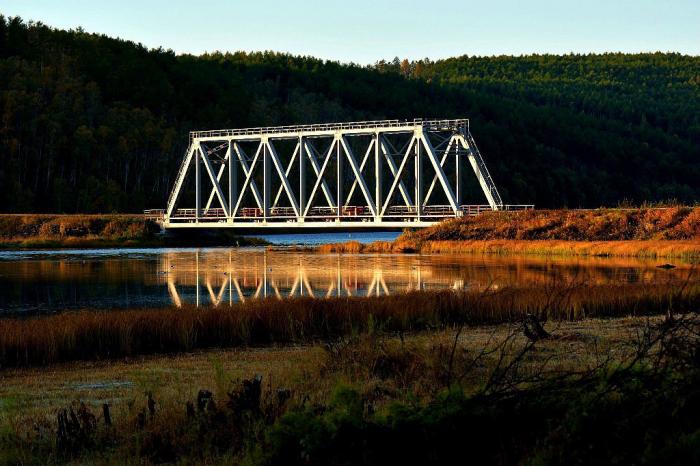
37	231
486	394
672	232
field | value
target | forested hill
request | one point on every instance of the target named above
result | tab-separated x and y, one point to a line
95	124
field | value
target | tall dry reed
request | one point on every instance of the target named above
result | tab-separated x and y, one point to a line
86	335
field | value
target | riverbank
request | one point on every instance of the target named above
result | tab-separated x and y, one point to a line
48	231
672	232
487	392
687	250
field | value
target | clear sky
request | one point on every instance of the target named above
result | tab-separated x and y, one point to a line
364	31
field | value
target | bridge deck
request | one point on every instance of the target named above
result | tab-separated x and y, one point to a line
284	218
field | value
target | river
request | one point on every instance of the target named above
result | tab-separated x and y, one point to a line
49	281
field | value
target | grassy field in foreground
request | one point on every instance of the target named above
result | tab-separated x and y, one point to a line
46	231
672	232
486	393
90	335
179	376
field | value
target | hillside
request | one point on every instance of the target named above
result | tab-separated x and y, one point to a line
96	124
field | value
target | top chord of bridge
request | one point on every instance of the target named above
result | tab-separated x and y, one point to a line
325	128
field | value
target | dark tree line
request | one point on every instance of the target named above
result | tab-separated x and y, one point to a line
96	124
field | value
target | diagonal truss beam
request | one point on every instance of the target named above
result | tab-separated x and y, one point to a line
286	174
357	171
283	177
181	174
310	152
432	156
222	168
386	146
397	174
319	177
442	164
481	172
362	167
213	178
248	172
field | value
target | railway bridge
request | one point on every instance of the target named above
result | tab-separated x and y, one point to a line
371	175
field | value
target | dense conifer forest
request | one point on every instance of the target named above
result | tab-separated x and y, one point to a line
96	124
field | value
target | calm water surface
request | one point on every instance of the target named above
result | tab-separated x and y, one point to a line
49	281
325	238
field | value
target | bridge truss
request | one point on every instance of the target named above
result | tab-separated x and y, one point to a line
387	173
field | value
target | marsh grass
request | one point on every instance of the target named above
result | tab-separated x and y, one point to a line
47	231
90	335
50	231
489	394
632	248
670	232
650	249
669	223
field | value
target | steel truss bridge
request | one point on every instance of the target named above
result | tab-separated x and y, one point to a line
371	174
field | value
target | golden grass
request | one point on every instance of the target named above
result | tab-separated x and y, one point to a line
632	248
355	247
649	249
646	232
113	334
47	230
672	223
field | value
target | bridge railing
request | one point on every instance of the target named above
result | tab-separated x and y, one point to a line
511	207
154	214
348	213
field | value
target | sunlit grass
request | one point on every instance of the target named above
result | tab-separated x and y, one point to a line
672	232
640	249
670	223
50	231
46	231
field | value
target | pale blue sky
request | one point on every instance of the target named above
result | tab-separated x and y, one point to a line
364	31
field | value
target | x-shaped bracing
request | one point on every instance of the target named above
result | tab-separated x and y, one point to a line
248	173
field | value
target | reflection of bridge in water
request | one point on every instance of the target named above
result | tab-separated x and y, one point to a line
153	278
209	278
219	276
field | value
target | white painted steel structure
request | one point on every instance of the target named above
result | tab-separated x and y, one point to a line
310	176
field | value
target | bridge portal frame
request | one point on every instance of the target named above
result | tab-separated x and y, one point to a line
432	144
